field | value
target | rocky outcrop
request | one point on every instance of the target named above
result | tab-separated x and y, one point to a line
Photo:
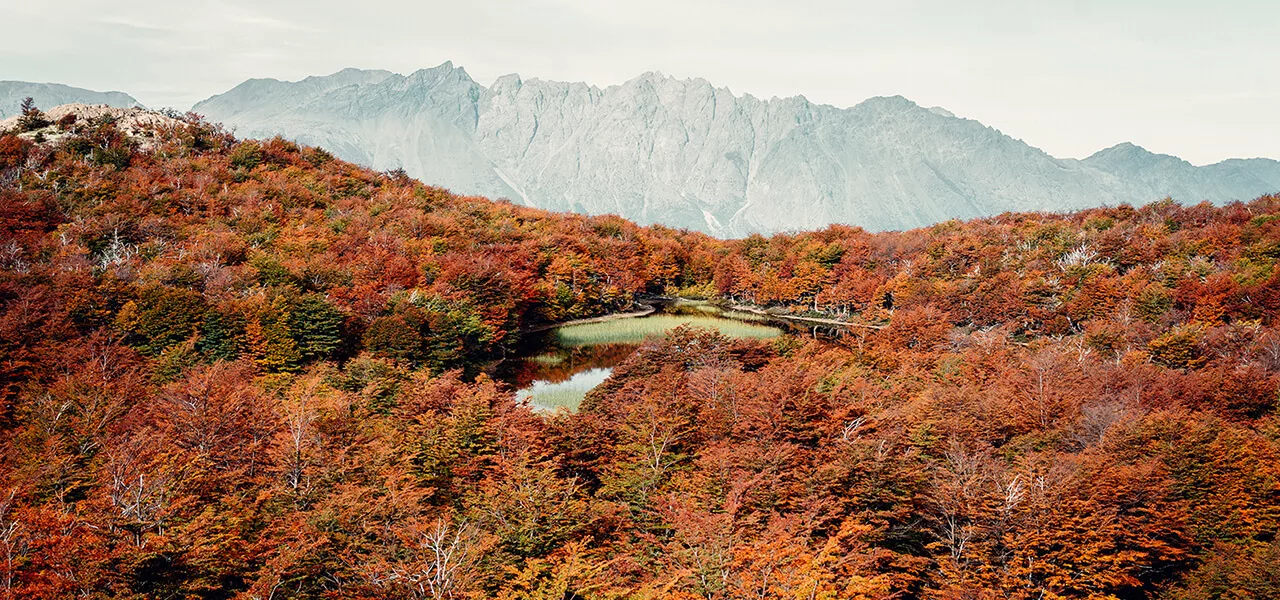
140	124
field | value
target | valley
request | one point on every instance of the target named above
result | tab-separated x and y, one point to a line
665	300
239	368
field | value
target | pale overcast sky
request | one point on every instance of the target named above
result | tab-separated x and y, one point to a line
1193	78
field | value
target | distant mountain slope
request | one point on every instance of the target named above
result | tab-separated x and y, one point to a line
1148	175
685	153
49	95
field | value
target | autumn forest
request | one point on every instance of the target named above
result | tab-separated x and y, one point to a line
246	369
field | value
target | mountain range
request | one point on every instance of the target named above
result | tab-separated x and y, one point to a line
48	95
684	153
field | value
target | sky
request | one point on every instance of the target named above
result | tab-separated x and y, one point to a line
1195	79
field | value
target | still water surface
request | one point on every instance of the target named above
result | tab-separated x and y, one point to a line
566	363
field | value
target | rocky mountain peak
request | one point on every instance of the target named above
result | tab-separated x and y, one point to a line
349	76
657	149
887	105
1128	155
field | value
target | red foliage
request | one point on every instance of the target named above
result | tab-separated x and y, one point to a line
245	369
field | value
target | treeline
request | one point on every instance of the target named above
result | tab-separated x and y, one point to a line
238	369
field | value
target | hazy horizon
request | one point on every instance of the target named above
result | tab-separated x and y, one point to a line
1070	78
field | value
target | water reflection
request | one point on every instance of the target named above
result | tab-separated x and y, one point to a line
557	365
547	396
564	364
561	377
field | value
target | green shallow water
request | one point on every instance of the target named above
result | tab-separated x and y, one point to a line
634	331
571	361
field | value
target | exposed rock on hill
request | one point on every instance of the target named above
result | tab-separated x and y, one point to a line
137	123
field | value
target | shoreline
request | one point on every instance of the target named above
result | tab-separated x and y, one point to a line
650	307
645	310
815	320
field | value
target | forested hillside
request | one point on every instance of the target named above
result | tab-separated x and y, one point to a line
240	369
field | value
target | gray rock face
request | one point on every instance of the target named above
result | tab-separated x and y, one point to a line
49	95
687	154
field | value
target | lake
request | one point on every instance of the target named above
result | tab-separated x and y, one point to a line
563	364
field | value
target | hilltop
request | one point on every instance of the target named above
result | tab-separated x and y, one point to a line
140	125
